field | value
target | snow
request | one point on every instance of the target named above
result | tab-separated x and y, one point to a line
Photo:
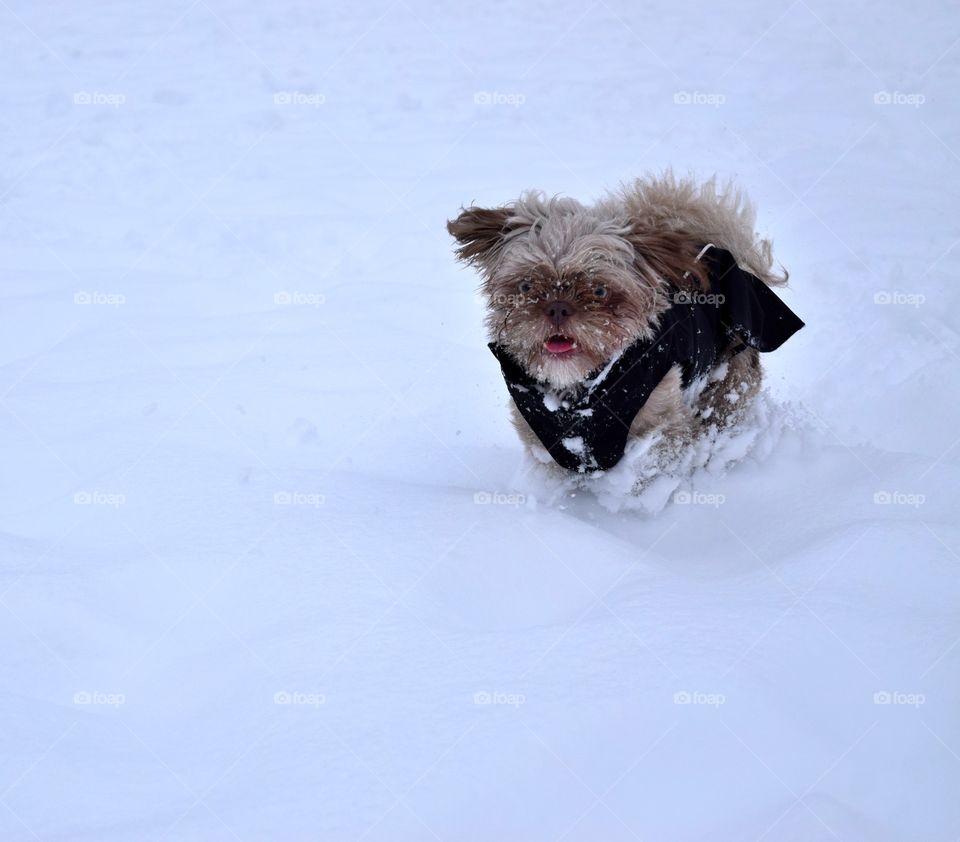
551	400
272	562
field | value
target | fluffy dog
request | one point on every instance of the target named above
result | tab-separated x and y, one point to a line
570	287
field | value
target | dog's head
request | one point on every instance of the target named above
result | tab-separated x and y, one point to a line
568	286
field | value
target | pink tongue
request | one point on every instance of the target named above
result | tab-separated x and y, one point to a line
559	346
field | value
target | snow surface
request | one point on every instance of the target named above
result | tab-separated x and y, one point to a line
268	568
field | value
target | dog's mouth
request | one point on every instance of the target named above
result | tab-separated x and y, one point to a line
560	345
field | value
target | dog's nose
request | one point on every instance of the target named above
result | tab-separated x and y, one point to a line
559	311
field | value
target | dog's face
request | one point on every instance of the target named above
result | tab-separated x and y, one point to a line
569	286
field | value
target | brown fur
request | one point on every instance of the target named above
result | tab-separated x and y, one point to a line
671	255
479	231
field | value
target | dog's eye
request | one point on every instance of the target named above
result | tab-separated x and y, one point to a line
600	292
525	286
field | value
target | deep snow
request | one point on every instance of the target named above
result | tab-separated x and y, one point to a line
270	563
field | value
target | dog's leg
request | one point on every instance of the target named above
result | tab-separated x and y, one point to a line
665	410
725	401
667	417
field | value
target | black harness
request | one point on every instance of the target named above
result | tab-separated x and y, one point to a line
585	429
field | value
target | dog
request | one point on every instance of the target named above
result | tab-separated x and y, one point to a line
641	315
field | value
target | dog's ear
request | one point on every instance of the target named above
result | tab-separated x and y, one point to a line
671	255
480	232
